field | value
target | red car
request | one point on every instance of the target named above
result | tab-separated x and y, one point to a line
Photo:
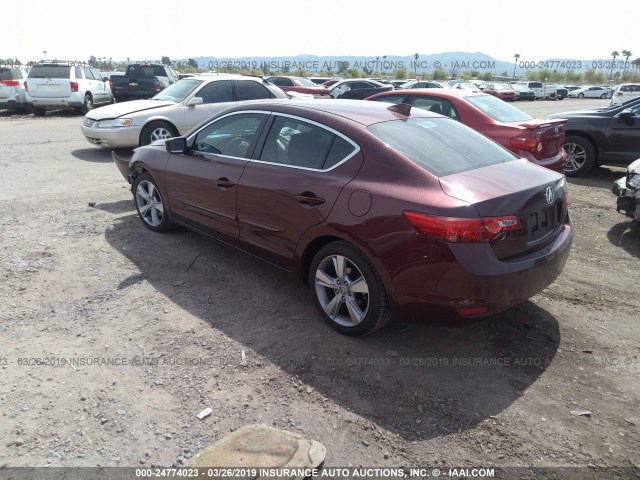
380	208
502	91
298	84
539	141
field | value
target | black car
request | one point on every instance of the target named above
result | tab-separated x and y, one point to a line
601	136
357	89
561	93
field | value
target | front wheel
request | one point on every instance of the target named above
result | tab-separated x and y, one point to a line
581	95
581	156
604	95
157	131
347	290
150	204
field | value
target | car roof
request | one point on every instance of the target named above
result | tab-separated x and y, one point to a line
436	92
364	113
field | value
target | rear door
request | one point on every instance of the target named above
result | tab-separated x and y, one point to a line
292	186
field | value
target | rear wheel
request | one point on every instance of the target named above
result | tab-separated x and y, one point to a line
347	290
157	131
604	95
88	104
581	95
581	156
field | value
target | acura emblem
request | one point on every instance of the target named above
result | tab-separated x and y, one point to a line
549	195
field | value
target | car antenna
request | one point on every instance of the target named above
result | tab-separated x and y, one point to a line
402	108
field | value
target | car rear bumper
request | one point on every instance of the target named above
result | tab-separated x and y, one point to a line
477	279
75	100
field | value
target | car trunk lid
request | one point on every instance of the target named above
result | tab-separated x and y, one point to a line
536	196
542	138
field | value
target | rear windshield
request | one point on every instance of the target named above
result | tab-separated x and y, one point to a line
440	145
498	109
10	73
50	71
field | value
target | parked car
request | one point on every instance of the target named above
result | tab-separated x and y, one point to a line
13	95
537	87
420	84
590	92
328	83
306	186
501	91
320	80
606	136
142	81
624	92
173	111
539	141
66	85
463	85
298	84
561	93
356	89
523	92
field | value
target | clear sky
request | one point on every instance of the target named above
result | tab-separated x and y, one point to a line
144	29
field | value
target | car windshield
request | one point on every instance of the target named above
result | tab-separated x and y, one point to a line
305	82
178	91
497	109
440	145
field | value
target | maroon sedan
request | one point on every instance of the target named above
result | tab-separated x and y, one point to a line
502	91
298	84
539	141
381	208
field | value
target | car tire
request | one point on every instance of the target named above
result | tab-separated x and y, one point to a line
581	95
604	95
581	156
39	112
347	290
88	104
157	131
150	204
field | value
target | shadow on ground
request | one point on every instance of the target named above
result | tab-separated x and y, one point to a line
599	177
97	155
458	376
621	235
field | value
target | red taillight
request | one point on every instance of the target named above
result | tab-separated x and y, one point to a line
532	145
462	230
110	84
156	85
11	83
26	87
474	310
620	94
74	86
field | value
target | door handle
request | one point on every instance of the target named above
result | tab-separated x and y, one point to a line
309	199
224	182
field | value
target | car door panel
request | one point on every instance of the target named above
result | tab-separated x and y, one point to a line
623	140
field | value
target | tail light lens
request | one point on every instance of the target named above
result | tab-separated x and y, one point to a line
11	83
156	85
110	84
462	230
74	86
532	145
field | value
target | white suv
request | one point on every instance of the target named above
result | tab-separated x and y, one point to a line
66	85
625	92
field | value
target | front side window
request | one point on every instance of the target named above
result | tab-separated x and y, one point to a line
298	143
440	106
250	90
232	136
217	92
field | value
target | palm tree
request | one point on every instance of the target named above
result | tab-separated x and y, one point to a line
45	54
516	56
626	54
636	64
416	57
614	55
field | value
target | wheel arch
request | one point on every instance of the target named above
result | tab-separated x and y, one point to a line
587	137
157	119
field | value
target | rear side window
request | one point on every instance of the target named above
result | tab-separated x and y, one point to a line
439	145
50	71
497	109
535	85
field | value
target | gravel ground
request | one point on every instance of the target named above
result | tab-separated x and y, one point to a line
114	338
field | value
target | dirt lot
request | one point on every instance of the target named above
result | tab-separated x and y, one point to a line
113	338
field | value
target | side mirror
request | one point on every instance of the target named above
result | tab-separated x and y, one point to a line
177	145
195	101
626	115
